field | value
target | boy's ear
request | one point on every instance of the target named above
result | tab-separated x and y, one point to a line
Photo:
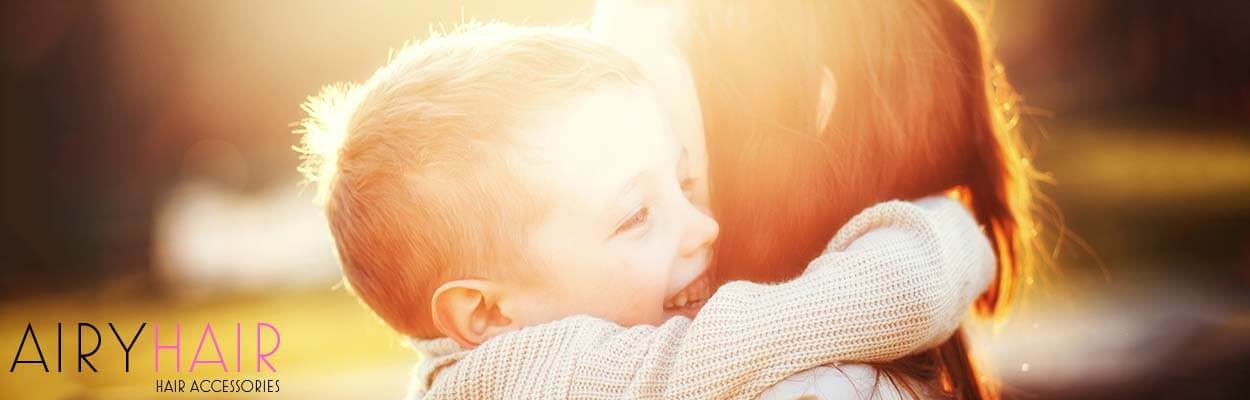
468	312
828	97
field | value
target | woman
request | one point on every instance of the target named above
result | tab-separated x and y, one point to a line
813	111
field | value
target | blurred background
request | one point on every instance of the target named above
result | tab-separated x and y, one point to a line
148	176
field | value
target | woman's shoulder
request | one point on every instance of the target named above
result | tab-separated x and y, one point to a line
846	381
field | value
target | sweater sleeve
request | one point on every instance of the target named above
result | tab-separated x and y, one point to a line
881	290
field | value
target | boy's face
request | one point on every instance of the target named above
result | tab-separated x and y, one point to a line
621	240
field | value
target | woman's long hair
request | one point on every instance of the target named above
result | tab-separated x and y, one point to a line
921	108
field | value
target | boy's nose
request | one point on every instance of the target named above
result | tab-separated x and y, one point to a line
701	230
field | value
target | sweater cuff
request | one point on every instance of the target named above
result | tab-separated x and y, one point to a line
962	236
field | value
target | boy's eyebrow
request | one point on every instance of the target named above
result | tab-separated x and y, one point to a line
630	185
683	158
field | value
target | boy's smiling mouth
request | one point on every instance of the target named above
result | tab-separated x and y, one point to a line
690	299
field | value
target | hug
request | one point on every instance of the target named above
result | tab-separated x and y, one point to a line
688	200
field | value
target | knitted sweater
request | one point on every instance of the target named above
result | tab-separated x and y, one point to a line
895	280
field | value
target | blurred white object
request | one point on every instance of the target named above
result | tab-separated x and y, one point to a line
1102	334
210	239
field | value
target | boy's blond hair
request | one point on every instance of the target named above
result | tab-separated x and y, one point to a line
412	165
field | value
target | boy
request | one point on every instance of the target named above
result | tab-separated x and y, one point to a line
514	197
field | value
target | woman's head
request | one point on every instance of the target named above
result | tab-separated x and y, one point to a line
915	114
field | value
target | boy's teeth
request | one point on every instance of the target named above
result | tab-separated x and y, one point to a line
692	296
696	291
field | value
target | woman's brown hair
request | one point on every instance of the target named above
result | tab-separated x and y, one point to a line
921	108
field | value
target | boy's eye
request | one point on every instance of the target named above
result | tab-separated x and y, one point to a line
634	221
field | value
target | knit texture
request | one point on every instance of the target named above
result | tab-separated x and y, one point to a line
895	280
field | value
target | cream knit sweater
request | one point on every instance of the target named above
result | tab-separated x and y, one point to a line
897	279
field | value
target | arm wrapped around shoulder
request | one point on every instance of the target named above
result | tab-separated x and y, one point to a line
919	266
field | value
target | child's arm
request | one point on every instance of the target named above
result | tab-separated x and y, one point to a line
895	280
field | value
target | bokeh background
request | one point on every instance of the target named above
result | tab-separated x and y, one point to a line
148	176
